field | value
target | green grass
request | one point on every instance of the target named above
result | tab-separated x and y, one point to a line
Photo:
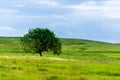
36	68
80	60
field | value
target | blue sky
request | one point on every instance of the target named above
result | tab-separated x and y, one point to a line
84	19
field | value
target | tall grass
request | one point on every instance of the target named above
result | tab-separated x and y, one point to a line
80	60
38	69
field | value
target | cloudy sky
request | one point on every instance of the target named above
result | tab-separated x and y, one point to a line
84	19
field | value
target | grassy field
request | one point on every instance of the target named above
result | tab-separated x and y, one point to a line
80	60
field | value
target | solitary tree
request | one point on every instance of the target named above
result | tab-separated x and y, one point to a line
39	40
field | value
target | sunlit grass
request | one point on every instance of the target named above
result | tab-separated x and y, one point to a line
80	60
42	69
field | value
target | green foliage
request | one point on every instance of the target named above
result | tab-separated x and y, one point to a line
39	40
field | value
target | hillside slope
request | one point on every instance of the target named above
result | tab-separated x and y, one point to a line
80	60
71	48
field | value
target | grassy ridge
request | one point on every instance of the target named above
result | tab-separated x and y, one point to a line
9	45
71	48
90	50
80	60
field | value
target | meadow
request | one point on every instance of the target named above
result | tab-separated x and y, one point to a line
80	60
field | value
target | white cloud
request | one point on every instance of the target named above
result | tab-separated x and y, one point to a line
20	5
7	28
34	3
7	11
109	8
112	9
47	2
91	5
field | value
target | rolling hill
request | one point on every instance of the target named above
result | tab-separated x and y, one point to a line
80	60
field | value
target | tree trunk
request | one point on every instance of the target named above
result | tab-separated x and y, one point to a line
40	54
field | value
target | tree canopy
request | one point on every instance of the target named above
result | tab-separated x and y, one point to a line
39	40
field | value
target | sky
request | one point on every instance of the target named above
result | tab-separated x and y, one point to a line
82	19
